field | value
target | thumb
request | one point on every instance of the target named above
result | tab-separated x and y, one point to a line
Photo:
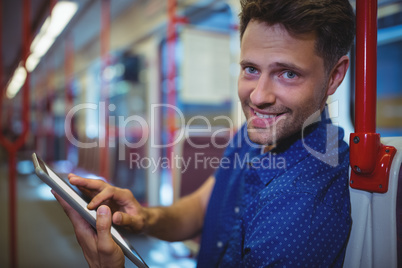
103	226
109	253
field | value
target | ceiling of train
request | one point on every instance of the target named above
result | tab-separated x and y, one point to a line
11	20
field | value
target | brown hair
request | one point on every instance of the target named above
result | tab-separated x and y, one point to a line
333	22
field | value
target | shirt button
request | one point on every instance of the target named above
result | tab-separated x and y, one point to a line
219	244
236	210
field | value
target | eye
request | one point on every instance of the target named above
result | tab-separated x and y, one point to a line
289	75
251	70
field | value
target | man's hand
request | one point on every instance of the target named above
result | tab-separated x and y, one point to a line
127	212
182	220
98	247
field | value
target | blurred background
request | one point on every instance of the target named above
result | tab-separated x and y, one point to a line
105	88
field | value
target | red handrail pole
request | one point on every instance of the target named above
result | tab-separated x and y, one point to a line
12	188
369	159
26	32
171	45
173	21
13	147
172	91
171	86
366	66
105	47
1	55
69	70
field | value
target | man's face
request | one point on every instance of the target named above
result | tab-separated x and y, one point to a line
282	81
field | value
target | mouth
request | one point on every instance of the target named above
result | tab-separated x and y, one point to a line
266	115
262	119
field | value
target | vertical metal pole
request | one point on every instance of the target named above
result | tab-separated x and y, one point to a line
12	189
13	147
366	66
105	38
25	94
369	159
69	69
171	97
1	53
171	46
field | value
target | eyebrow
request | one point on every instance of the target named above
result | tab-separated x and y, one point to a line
274	65
286	65
246	62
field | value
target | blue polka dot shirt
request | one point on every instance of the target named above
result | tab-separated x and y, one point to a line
289	207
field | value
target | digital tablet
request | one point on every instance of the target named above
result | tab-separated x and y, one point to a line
66	191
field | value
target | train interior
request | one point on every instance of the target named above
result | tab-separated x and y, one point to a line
125	90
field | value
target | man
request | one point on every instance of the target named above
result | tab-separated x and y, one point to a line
289	206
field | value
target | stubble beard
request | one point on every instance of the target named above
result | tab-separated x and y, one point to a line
284	127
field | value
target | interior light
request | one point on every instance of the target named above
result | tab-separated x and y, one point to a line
32	62
43	46
41	33
61	15
17	81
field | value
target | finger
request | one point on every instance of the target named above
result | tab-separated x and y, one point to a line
83	230
106	244
66	207
135	223
85	234
71	175
90	184
86	192
108	193
77	179
88	187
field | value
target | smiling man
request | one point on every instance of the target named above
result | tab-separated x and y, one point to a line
293	56
284	79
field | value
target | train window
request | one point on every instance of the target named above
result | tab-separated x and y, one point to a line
389	93
204	89
389	77
389	69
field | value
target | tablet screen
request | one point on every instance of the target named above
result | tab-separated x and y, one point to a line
67	189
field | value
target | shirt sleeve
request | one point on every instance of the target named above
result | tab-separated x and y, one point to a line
295	229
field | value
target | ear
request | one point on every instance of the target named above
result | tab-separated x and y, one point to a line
337	74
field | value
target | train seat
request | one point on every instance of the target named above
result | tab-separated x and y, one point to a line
376	235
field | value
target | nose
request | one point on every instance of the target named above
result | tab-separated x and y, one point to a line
263	94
